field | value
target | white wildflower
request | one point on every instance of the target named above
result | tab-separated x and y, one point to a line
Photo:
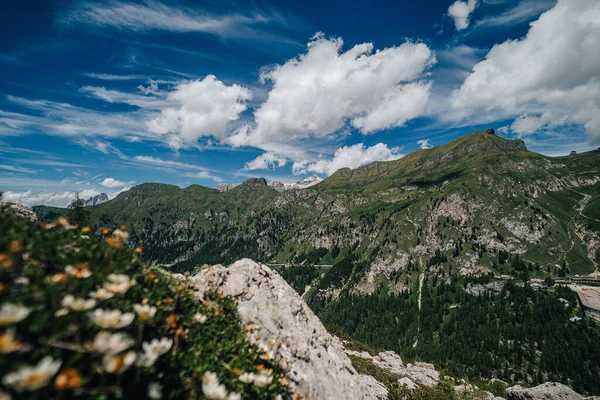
144	311
155	391
101	294
263	347
76	304
152	350
112	343
111	318
269	355
263	378
209	378
12	313
211	386
234	396
32	377
118	283
200	318
22	280
247	377
117	364
61	313
120	234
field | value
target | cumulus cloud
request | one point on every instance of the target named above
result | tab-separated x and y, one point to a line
460	11
318	92
200	108
114	183
549	78
266	161
349	157
424	144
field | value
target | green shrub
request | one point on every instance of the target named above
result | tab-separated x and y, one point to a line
142	335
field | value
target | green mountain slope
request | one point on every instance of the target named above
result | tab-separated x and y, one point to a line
474	201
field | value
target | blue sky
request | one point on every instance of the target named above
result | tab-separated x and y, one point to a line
97	96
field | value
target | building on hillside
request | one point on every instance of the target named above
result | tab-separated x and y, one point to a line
584	279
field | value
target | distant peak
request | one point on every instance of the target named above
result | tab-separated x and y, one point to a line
95	200
255	181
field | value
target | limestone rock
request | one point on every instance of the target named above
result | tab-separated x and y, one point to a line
410	385
280	320
548	390
390	361
423	373
373	387
419	372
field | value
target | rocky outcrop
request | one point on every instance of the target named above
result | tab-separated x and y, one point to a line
419	372
283	326
225	187
545	391
95	200
20	210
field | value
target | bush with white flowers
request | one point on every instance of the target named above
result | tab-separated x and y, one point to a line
82	316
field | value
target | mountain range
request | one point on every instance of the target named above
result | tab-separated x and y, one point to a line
426	255
278	185
471	199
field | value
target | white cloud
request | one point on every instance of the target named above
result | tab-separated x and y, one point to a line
111	77
64	119
460	11
526	124
522	12
317	93
15	168
58	199
201	108
349	157
424	144
113	96
266	161
155	16
114	183
159	162
551	76
203	175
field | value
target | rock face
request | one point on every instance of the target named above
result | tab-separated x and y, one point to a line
277	185
549	391
99	199
20	210
225	187
278	320
306	182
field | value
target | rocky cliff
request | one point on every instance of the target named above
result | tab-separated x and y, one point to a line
318	364
281	323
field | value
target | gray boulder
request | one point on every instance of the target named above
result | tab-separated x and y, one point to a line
280	323
548	390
